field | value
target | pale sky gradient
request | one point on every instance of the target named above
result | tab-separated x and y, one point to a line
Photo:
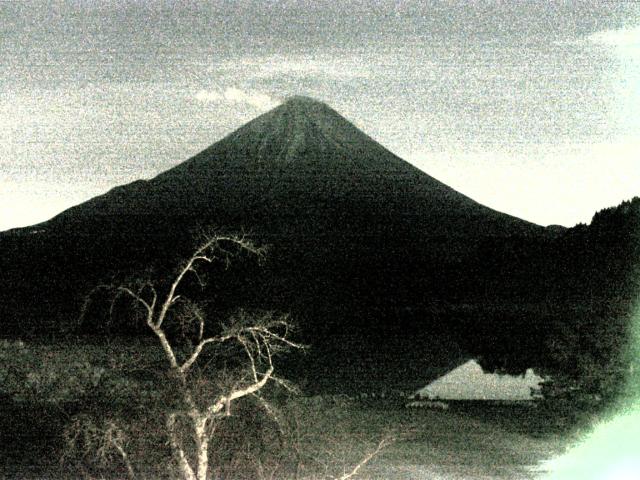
528	107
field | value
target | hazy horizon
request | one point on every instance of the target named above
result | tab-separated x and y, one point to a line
526	108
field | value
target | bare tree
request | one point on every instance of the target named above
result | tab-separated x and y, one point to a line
189	355
259	338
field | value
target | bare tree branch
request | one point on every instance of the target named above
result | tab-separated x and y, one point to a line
198	350
211	245
224	401
181	457
136	297
287	385
367	458
115	437
267	332
251	358
98	440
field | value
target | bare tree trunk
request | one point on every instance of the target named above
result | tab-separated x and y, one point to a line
202	442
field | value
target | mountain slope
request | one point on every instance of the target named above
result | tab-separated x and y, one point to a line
300	158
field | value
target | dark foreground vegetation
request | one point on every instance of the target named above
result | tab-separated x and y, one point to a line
199	399
316	437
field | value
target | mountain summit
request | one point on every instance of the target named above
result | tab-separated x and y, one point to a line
297	126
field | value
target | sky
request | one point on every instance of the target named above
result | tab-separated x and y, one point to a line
527	107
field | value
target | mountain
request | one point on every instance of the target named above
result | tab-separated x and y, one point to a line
381	264
300	158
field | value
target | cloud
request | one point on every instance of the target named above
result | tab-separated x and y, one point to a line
625	37
258	100
205	96
255	99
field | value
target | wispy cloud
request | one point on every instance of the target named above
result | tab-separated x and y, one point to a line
258	100
208	96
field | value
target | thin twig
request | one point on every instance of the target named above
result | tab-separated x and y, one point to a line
367	458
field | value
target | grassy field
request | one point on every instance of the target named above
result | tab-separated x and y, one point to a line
468	441
461	443
427	444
